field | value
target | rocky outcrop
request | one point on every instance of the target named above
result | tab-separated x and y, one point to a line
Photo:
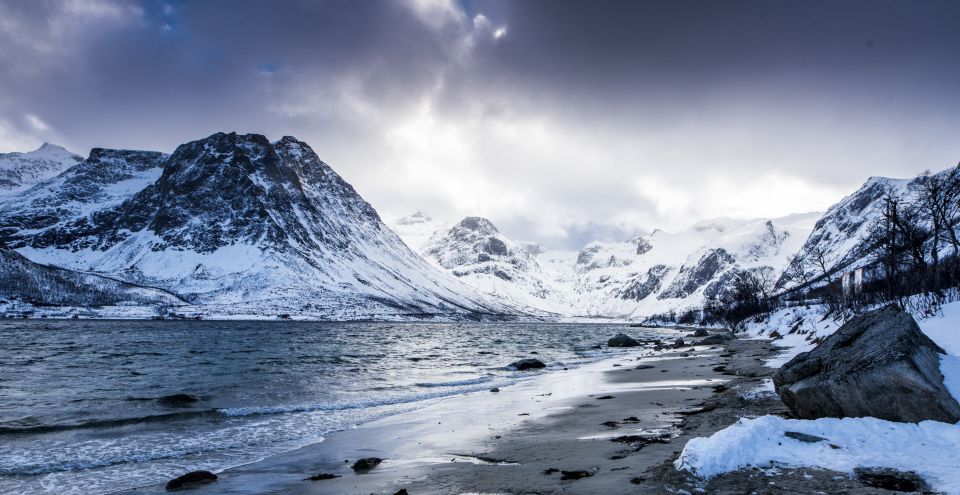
622	340
879	364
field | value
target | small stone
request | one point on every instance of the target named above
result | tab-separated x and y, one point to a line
575	475
803	437
322	476
527	364
364	465
193	478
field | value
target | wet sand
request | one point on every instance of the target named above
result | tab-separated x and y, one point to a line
522	439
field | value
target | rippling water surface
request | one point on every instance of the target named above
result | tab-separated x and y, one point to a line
97	406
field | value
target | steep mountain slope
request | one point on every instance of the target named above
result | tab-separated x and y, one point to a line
38	285
19	171
844	238
474	251
237	225
649	274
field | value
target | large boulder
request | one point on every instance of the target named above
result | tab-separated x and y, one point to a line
622	340
879	364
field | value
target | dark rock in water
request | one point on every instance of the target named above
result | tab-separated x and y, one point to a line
717	338
645	367
402	491
611	424
605	397
803	437
549	471
878	364
700	332
622	340
631	419
177	400
891	479
191	479
678	343
527	364
575	475
364	465
322	476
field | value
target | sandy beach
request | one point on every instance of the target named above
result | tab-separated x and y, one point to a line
608	424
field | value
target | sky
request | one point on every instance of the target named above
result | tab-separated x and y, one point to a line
561	121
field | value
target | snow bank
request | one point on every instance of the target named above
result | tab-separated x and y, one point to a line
928	448
799	328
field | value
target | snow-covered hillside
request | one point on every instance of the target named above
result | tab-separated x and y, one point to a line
19	171
25	285
845	237
649	274
236	225
474	251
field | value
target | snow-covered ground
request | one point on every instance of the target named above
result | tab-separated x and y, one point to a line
928	448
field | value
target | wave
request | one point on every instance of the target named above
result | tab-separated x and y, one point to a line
341	406
456	383
108	423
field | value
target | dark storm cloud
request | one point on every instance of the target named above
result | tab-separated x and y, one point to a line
555	118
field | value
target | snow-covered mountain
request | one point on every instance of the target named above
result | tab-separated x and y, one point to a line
236	225
650	274
845	237
474	251
19	171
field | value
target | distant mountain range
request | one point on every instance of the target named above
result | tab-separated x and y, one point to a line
650	274
236	226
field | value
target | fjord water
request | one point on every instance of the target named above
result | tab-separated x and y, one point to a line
95	406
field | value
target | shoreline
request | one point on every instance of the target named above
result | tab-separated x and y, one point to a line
445	447
616	427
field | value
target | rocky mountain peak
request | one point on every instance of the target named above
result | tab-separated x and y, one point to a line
478	225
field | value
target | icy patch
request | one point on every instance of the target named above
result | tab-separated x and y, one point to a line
763	391
929	448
